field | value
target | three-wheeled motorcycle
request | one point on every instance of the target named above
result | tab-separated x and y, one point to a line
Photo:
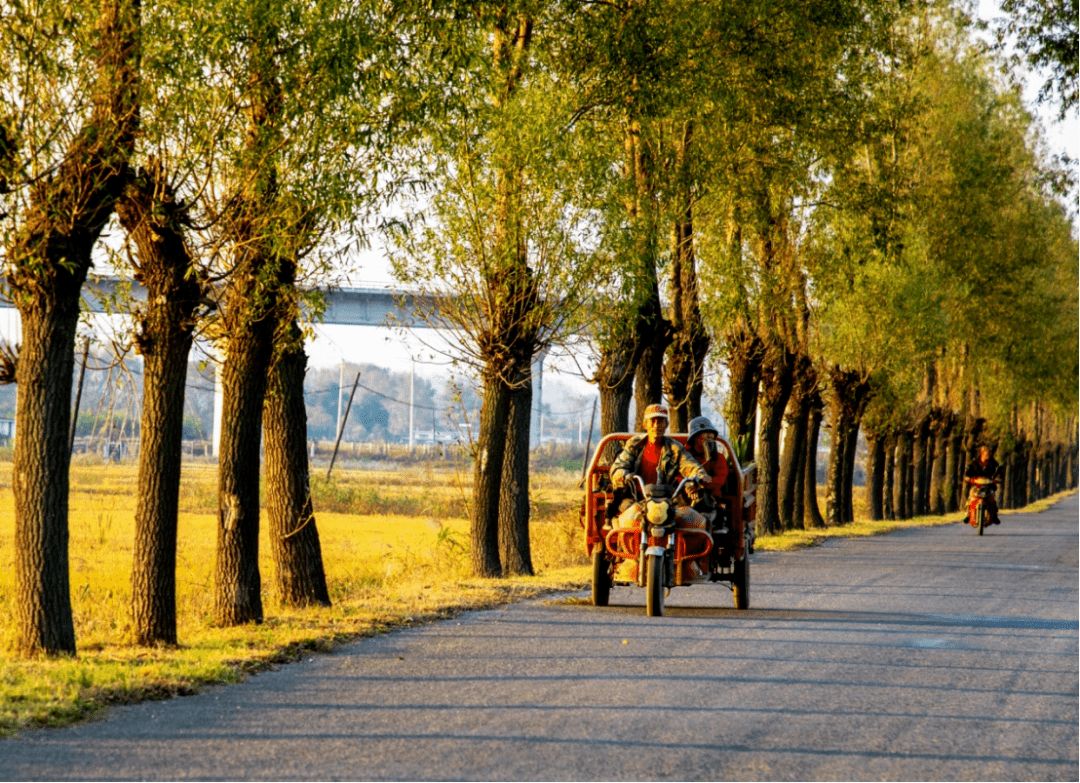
642	545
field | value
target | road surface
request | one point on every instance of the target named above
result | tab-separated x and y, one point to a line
928	654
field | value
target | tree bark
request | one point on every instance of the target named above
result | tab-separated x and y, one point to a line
875	474
743	359
850	453
811	511
40	479
614	379
654	332
921	491
238	584
954	467
514	548
792	466
777	377
845	408
940	429
299	576
48	262
153	219
900	478
887	507
487	474
909	474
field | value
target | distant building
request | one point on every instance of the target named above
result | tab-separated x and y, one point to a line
7	431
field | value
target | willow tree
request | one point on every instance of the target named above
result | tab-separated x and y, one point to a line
773	140
628	65
295	169
925	246
501	249
69	122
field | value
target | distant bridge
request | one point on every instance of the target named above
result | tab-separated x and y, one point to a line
369	305
372	304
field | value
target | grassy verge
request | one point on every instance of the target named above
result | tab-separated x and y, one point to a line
395	547
801	539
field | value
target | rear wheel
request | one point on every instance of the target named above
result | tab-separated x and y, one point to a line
601	578
980	516
740	583
654	586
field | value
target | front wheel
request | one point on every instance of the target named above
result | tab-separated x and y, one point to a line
740	583
980	516
654	586
601	578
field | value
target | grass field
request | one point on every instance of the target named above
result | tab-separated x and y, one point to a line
395	547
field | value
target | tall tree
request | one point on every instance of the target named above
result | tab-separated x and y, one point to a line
62	188
296	169
501	250
155	220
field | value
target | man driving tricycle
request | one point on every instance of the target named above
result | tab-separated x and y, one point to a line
651	521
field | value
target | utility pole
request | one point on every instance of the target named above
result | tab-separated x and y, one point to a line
412	405
340	383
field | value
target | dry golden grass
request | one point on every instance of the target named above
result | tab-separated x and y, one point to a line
407	562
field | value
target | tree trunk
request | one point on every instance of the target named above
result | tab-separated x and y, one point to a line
299	576
909	475
514	549
792	466
850	452
887	507
811	511
743	359
249	322
614	379
875	474
1018	474
654	333
919	458
1032	488
834	481
900	477
48	262
40	478
776	381
238	585
487	475
940	430
954	467
153	220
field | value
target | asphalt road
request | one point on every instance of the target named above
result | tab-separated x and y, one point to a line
927	654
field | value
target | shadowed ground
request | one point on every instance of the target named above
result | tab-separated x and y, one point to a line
925	654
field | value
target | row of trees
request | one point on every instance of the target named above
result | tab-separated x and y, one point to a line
846	209
227	146
842	204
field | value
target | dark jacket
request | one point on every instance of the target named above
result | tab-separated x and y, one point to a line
976	469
